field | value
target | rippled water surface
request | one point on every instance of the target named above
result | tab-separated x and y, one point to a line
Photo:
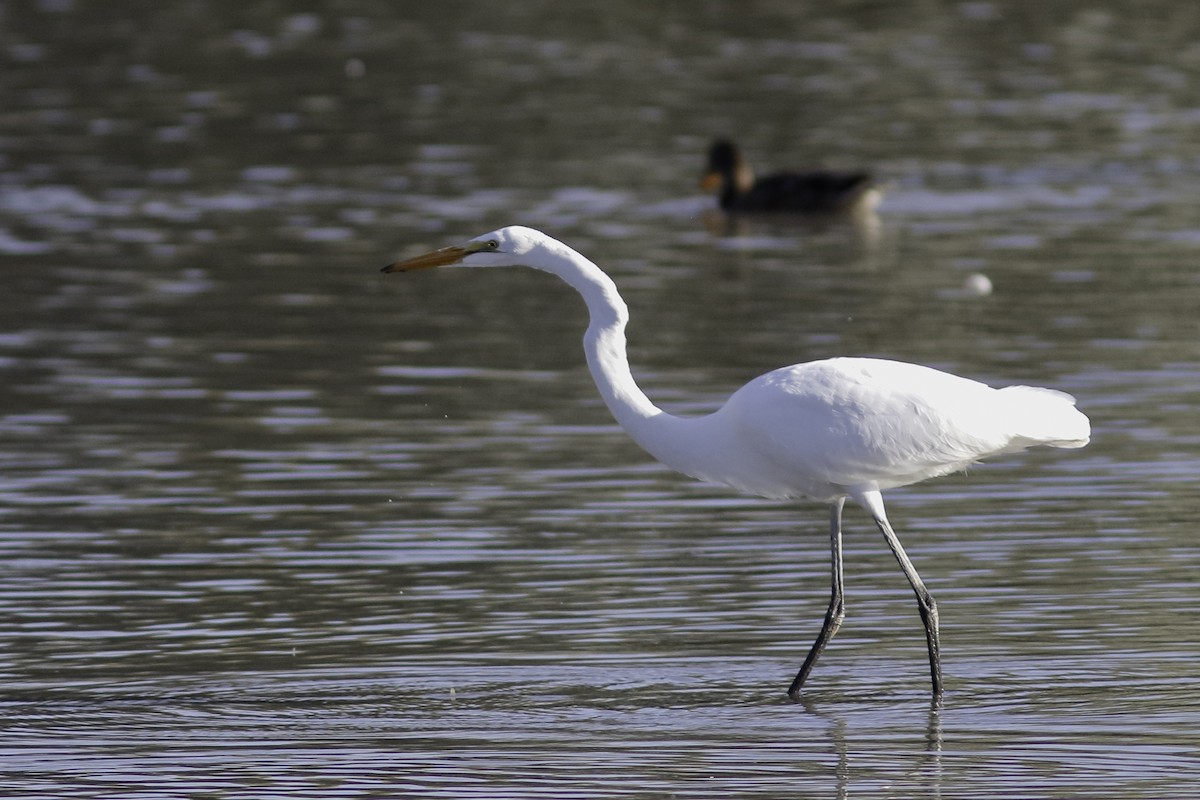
276	525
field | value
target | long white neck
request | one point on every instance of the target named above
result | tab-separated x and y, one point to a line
664	436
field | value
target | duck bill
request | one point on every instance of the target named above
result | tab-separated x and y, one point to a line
710	182
438	258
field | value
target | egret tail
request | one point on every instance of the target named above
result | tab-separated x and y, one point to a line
1045	416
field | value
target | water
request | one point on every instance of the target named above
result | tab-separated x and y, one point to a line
274	524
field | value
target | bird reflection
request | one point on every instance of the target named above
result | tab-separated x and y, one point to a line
926	773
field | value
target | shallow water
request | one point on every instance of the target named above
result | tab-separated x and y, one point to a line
273	523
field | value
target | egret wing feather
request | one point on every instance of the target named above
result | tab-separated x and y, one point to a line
853	422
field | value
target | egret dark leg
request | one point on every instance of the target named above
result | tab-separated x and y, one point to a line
928	608
837	604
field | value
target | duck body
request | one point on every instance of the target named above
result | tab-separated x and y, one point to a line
807	192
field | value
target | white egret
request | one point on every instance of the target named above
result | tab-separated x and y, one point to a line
827	430
812	192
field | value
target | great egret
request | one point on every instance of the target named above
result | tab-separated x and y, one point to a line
828	430
814	192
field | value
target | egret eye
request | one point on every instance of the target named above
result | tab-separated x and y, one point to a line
492	244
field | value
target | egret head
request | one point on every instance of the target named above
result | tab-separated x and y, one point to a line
505	247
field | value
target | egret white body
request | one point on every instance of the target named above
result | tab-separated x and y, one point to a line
828	430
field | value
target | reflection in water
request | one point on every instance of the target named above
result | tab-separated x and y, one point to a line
932	768
255	532
924	773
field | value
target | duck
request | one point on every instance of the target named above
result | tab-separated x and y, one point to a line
810	192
